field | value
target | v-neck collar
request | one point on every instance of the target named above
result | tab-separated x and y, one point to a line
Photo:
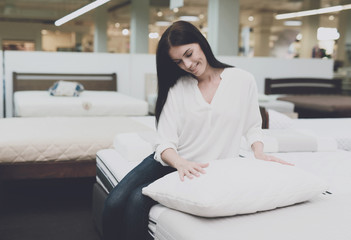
201	98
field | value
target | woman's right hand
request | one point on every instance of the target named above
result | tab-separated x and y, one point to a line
189	169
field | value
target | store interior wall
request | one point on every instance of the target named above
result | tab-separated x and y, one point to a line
132	68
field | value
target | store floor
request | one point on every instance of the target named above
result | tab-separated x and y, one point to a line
47	209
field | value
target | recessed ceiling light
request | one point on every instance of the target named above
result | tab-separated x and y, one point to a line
251	18
162	23
293	23
331	17
175	10
125	32
189	18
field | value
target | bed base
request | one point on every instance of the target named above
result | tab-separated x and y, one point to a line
46	170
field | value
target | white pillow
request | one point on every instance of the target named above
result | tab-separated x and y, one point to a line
278	120
134	147
293	140
236	186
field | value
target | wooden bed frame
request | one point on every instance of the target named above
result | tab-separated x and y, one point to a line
313	97
43	81
55	169
302	86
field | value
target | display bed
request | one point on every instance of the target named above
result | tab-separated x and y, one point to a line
99	98
312	97
58	146
326	217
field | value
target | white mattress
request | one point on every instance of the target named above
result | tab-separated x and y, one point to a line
60	138
338	128
327	217
271	102
89	103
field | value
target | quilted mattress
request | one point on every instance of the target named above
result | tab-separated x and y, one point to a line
60	138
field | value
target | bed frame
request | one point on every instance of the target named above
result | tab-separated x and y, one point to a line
55	169
302	86
43	81
313	97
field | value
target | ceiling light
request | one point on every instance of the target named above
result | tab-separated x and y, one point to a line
327	34
293	23
153	35
313	12
80	11
159	13
189	18
125	32
201	16
175	10
162	23
299	37
251	18
331	18
117	25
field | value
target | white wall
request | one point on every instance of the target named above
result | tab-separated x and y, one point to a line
264	67
1	88
131	68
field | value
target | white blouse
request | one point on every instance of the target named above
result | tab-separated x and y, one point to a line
201	132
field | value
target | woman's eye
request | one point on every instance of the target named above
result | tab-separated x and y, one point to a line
189	54
178	62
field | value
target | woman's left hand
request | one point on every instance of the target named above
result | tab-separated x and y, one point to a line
271	158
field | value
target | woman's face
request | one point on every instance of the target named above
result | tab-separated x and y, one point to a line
190	58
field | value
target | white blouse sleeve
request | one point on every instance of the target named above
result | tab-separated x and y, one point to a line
167	127
253	123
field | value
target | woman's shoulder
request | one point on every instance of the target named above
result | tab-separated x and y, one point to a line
238	75
183	83
237	72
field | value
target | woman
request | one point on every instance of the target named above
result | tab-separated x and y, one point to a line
203	109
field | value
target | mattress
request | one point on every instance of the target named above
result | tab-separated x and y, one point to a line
60	138
338	128
271	102
89	103
324	218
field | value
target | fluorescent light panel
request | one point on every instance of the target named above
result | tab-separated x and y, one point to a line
313	12
80	11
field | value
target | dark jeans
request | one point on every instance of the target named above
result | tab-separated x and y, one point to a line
126	210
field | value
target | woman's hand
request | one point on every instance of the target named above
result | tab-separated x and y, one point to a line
257	148
270	158
189	169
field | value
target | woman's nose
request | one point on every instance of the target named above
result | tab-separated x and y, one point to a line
187	63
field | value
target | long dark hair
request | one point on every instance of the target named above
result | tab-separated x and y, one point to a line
168	72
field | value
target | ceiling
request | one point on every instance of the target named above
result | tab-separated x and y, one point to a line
47	11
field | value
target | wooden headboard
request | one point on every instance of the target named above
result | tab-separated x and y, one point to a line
302	86
43	81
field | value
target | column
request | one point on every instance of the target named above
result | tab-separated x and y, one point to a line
343	53
100	35
262	33
309	29
223	26
139	29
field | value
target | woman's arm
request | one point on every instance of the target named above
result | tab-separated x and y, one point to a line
257	148
183	166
